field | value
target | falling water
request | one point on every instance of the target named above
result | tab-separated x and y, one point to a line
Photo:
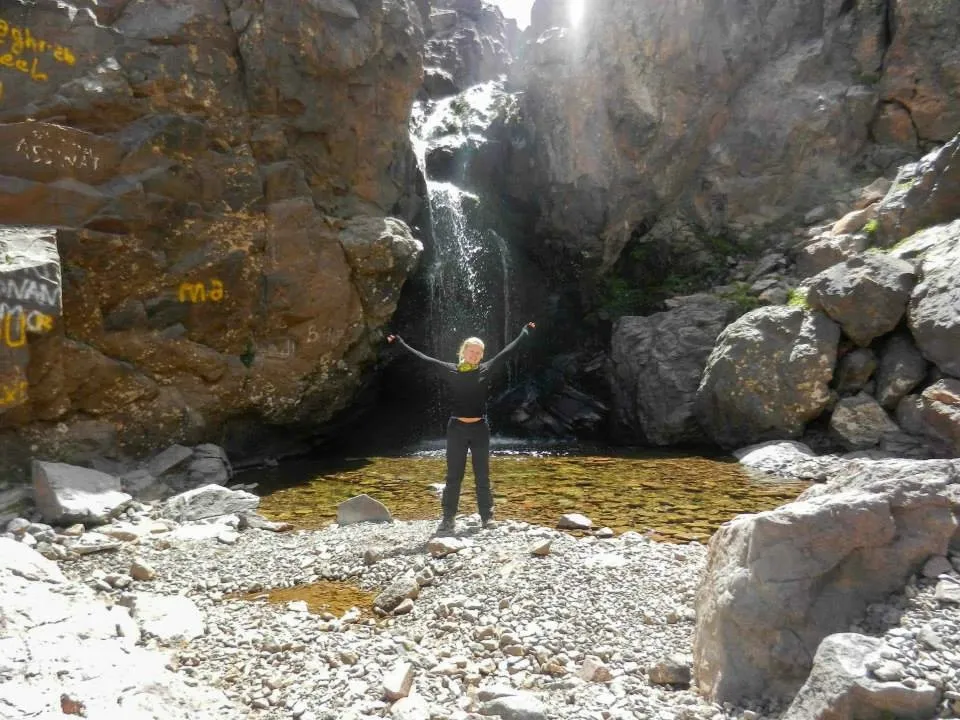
469	272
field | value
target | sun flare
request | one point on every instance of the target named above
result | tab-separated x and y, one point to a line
576	8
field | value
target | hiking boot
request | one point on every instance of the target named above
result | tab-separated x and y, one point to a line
446	528
489	523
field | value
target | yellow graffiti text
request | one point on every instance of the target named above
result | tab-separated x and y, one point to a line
198	292
14	326
20	50
13	393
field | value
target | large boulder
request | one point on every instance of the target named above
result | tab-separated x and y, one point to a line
939	413
221	180
854	370
66	653
825	252
18	559
30	312
66	494
867	294
658	361
860	422
840	686
902	368
925	193
778	582
209	501
788	459
934	313
768	376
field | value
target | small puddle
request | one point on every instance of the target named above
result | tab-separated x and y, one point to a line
325	596
672	497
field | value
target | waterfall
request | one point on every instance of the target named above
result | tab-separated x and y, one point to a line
469	265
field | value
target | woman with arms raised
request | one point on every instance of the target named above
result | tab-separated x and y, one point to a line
469	383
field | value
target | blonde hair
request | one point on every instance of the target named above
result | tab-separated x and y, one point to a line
469	341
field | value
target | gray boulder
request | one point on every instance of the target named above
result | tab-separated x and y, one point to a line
209	465
925	193
67	494
902	368
767	376
826	251
362	508
860	422
209	501
658	361
934	313
866	294
520	706
840	686
854	370
788	459
402	588
177	469
169	462
939	413
778	582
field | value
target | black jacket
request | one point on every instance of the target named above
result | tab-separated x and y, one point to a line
469	389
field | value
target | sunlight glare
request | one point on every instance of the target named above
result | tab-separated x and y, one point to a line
576	8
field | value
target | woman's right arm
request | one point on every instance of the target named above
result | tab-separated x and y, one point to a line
433	361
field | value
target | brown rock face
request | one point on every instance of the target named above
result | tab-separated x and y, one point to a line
220	174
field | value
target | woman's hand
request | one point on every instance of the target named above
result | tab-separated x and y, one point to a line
531	325
391	338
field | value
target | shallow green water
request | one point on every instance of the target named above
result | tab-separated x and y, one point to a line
675	498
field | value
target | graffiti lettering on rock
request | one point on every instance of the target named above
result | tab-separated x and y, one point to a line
16	322
328	335
28	290
20	50
198	292
13	392
71	155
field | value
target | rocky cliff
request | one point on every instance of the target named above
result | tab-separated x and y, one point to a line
221	175
676	126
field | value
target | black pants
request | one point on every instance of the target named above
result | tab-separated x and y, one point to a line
460	437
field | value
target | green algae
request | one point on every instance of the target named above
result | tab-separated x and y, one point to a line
673	498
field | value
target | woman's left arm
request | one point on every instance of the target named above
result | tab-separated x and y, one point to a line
501	356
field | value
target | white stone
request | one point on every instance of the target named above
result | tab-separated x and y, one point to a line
362	508
397	683
209	501
69	494
412	707
541	548
22	561
594	670
169	618
141	570
574	521
440	547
